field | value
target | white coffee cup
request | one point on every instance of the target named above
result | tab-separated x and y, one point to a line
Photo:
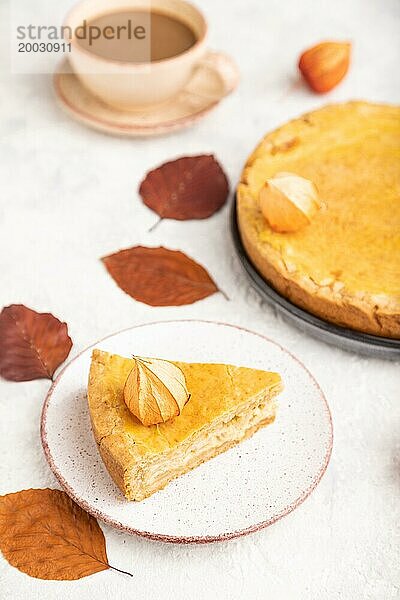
128	85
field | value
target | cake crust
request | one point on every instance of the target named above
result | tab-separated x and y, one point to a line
321	146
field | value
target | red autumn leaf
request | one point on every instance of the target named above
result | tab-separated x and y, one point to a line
192	187
44	534
159	277
32	345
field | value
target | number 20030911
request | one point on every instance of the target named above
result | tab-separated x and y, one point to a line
44	47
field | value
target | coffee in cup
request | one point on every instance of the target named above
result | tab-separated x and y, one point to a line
132	54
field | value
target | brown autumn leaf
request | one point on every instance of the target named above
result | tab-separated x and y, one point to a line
44	534
159	276
191	187
32	345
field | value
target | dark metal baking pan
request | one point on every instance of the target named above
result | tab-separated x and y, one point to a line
347	339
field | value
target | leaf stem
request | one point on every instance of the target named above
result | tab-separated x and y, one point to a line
156	224
225	295
120	570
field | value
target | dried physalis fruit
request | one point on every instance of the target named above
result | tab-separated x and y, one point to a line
155	390
191	187
323	66
288	202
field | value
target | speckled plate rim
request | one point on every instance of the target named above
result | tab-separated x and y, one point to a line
347	339
98	514
135	130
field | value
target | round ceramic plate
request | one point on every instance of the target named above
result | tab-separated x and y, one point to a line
246	488
347	339
214	78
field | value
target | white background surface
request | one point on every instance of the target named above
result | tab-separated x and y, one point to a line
69	197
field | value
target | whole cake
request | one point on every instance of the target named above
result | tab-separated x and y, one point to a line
344	266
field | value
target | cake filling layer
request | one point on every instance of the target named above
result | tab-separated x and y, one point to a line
147	477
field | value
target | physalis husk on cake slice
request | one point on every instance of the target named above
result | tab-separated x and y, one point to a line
155	390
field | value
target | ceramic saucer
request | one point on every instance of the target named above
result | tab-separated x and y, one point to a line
215	78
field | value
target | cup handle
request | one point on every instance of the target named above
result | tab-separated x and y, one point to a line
224	66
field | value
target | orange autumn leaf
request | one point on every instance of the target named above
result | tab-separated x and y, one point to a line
44	534
159	276
191	187
32	345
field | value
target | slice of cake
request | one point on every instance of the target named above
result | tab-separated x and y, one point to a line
227	404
